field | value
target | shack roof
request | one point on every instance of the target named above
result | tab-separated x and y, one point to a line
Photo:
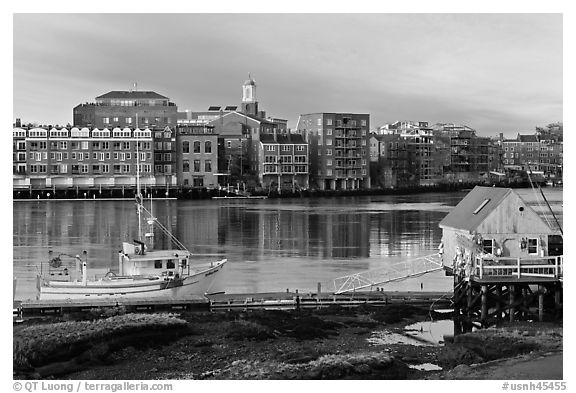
463	216
481	201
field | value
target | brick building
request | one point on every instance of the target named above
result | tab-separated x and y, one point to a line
127	109
197	154
339	149
282	161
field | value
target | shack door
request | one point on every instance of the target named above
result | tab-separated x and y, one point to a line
555	246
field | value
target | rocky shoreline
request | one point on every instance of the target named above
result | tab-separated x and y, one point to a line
329	343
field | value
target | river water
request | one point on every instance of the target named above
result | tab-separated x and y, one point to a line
271	245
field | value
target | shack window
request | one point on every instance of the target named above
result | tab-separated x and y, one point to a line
183	262
532	246
158	264
488	246
170	264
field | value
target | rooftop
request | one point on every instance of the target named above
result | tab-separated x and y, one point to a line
132	95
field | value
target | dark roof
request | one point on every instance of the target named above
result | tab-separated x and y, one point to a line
267	138
527	138
133	95
463	217
290	139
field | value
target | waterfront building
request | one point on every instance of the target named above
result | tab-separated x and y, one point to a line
165	156
541	153
469	154
282	161
19	158
197	154
389	162
129	109
339	149
85	158
420	142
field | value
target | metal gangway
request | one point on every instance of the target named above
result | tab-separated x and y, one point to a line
394	272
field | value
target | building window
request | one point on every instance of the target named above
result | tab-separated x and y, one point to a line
196	165
185	166
328	152
106	120
319	122
533	246
196	147
328	122
185	147
270	148
207	147
207	166
488	246
228	144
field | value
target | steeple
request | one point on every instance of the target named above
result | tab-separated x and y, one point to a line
249	90
249	102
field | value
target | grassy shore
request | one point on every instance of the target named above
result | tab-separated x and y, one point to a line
329	343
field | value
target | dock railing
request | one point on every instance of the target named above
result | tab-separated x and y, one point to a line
496	267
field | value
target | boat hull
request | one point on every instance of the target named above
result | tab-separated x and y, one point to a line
201	283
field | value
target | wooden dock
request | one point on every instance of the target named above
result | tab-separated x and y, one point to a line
29	308
271	300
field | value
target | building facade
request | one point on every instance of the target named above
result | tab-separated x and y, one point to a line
282	161
339	149
85	158
389	162
130	109
165	156
197	155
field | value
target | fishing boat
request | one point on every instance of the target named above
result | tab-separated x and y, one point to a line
142	271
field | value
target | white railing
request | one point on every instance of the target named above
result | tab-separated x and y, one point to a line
493	267
394	272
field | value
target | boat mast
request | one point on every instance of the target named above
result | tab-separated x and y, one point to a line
545	200
138	195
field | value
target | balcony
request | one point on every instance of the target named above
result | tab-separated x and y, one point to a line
525	269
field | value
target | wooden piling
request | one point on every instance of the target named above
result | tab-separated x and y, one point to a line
541	290
484	306
498	303
511	302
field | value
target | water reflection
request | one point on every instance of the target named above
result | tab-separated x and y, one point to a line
271	244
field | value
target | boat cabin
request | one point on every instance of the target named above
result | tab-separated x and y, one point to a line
502	232
135	260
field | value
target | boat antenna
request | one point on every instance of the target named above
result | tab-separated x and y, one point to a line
544	197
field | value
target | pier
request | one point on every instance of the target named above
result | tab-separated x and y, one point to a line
220	302
508	289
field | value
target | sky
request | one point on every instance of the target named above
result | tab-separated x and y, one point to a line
493	72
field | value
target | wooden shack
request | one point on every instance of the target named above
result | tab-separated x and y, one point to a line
501	242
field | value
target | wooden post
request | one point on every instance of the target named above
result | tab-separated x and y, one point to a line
511	302
484	310
498	302
469	302
541	290
557	297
